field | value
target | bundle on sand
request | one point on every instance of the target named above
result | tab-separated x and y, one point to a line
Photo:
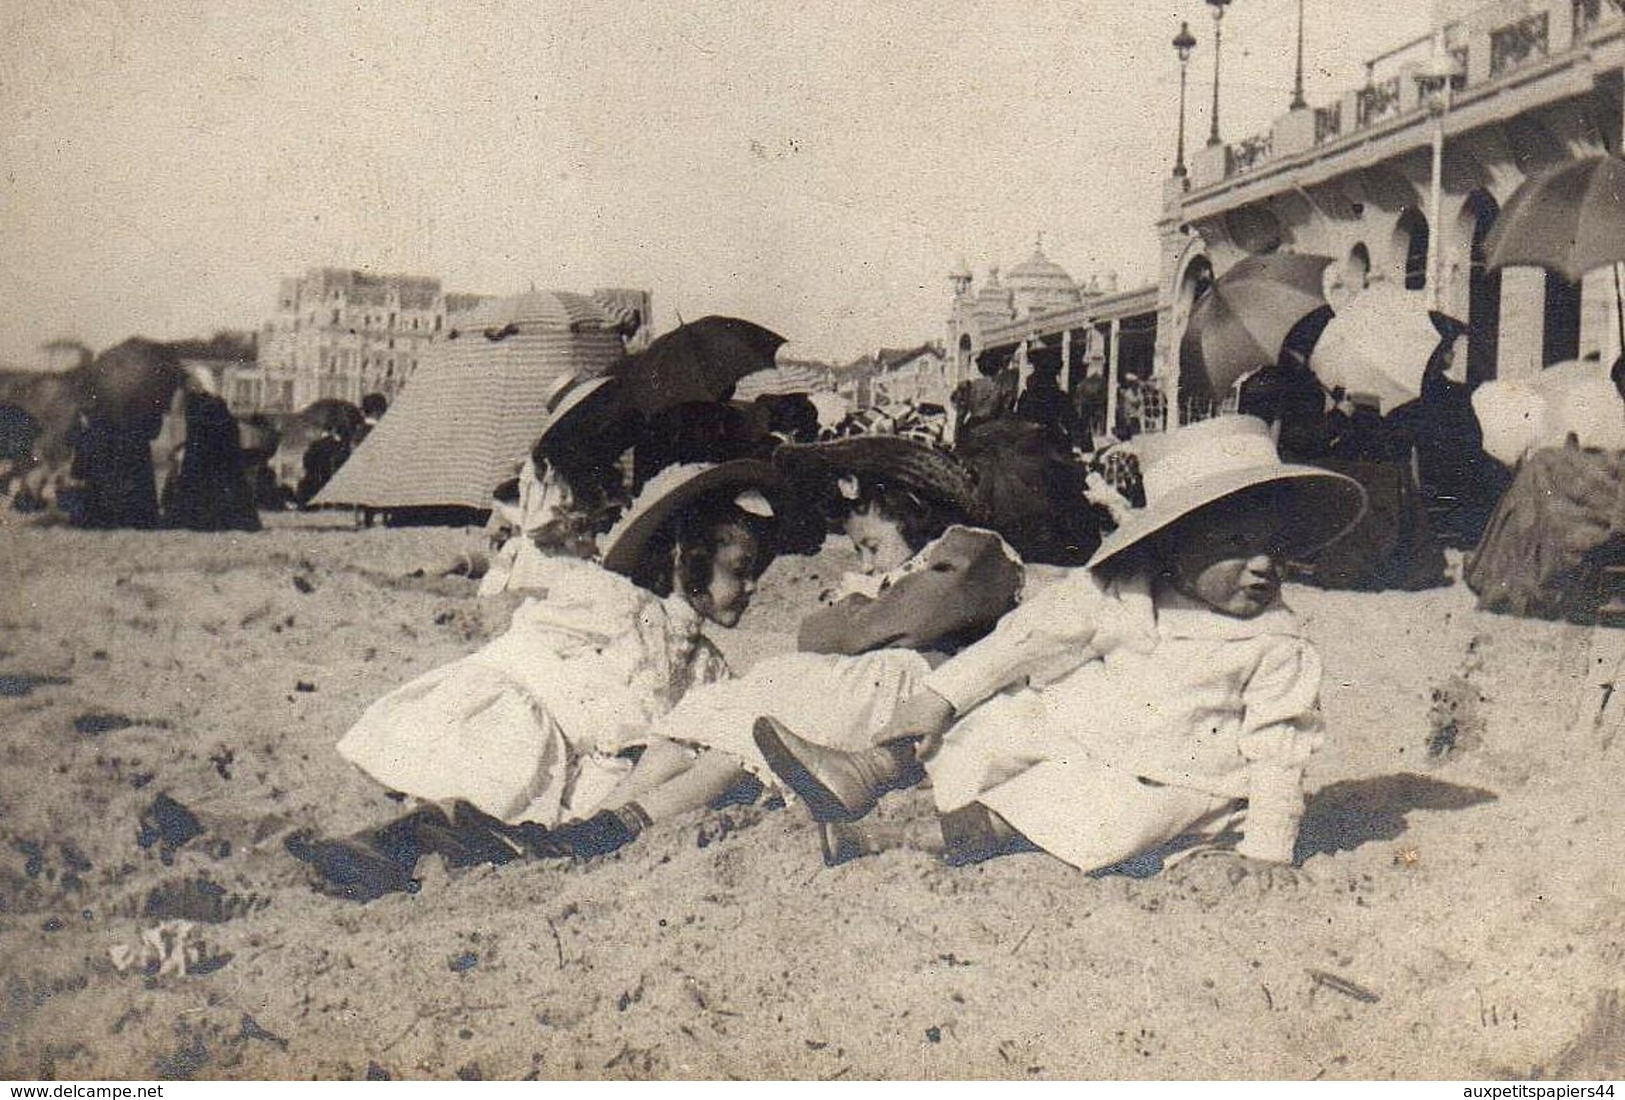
1549	541
1393	546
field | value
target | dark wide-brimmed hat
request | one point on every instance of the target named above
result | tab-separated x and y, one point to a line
1188	469
678	487
898	461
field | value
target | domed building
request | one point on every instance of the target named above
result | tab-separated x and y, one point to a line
1040	285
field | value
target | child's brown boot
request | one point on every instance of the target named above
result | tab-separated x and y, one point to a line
836	785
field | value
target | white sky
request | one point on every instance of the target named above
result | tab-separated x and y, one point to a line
815	166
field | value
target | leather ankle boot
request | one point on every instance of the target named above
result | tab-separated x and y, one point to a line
836	785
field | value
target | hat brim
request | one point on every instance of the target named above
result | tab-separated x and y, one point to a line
1321	508
589	396
626	544
906	463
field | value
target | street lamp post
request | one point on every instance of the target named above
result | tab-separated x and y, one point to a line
1298	102
1218	7
1184	44
1435	81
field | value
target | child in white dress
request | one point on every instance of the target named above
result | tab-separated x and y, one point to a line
1137	700
526	731
929	585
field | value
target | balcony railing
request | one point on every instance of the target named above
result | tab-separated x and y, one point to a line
1589	14
1250	152
1484	48
1378	101
1328	123
1519	43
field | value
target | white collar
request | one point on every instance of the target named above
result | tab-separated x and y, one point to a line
1179	616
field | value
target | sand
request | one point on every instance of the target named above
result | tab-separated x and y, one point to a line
1460	914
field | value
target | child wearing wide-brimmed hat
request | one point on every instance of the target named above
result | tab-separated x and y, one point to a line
930	584
1136	701
527	731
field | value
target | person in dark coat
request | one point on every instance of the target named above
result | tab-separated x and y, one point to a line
1288	394
112	461
212	491
1044	404
322	460
695	431
1460	483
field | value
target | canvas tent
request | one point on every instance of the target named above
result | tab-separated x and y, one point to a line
473	409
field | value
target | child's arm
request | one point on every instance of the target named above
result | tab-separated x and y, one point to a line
1056	627
1281	727
967	582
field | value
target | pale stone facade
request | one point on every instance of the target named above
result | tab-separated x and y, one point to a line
342	334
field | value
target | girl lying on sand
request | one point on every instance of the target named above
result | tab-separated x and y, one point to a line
929	586
527	731
1136	701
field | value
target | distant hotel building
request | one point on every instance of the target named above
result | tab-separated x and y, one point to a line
1536	82
342	333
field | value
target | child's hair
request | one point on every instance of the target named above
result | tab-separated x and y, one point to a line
918	519
680	556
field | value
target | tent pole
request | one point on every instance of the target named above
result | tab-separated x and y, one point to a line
1619	310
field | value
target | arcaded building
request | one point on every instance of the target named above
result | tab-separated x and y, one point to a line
1503	91
1508	89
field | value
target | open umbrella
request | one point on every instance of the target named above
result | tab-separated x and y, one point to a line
1243	320
1570	220
1577	398
1378	344
133	382
698	361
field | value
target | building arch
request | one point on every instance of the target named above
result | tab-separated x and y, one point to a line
1409	249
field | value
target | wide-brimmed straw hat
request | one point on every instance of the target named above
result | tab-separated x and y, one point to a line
1190	468
898	461
572	396
677	487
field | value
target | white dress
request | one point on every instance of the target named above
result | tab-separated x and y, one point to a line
1114	722
527	727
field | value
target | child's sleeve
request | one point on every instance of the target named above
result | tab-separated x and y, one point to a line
1281	727
1055	627
967	582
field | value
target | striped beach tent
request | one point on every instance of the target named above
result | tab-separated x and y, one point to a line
474	407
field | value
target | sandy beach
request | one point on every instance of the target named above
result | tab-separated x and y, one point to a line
1460	912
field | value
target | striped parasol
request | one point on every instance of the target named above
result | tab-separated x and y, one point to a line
474	407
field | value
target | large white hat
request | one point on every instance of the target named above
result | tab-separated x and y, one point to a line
675	488
1190	468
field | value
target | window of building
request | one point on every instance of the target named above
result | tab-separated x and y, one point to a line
437	320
